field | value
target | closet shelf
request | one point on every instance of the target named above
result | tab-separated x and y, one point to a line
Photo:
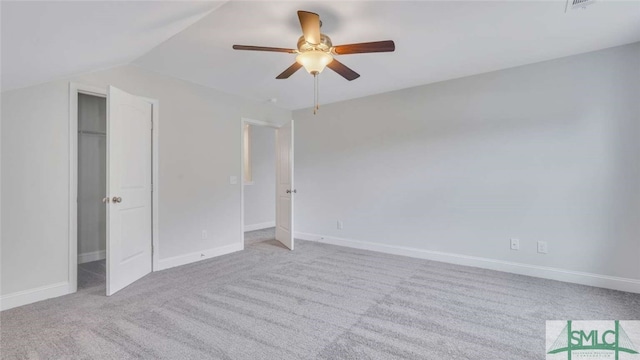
88	132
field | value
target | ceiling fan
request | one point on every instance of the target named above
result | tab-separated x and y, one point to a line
315	50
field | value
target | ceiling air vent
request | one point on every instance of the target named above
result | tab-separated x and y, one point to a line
578	4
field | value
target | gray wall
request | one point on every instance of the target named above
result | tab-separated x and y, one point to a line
260	196
543	152
199	149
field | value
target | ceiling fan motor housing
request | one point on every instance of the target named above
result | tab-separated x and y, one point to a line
325	44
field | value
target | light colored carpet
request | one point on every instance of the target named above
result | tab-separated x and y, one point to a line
317	302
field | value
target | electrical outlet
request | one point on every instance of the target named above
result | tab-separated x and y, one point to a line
340	225
542	247
204	234
515	244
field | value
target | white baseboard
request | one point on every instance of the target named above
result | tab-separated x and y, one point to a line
260	226
577	277
92	256
54	290
33	295
197	256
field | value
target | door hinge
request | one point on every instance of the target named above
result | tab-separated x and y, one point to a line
151	124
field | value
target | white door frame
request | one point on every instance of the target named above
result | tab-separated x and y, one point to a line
74	90
246	121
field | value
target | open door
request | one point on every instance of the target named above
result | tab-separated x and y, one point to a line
284	185
129	237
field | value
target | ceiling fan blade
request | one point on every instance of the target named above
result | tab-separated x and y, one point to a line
263	48
343	70
368	47
290	70
310	23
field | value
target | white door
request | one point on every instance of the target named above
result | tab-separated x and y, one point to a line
284	185
129	120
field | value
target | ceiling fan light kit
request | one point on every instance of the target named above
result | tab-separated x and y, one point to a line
315	52
314	61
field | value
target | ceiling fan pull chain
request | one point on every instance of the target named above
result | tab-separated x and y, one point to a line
315	93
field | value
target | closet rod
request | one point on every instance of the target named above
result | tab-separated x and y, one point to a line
91	132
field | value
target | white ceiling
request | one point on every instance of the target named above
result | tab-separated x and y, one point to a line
48	40
435	41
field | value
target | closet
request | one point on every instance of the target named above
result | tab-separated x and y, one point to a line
92	146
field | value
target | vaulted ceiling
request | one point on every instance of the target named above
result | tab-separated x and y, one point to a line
48	40
435	41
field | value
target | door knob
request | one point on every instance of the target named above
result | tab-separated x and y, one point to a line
105	200
117	199
290	191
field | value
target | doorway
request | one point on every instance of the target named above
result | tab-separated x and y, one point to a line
113	203
259	183
92	188
267	183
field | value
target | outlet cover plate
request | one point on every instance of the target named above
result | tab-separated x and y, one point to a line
543	248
